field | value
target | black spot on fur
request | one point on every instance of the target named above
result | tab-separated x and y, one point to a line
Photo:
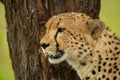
83	63
104	63
87	78
104	70
118	43
114	72
116	48
110	70
99	78
71	42
99	68
82	45
114	63
91	61
107	58
85	50
103	76
119	73
99	62
110	64
107	79
115	78
80	52
88	47
93	72
118	52
115	58
110	36
76	42
113	42
110	50
111	59
79	48
115	67
81	38
109	43
97	51
105	35
91	54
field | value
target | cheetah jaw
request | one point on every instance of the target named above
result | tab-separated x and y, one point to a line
56	59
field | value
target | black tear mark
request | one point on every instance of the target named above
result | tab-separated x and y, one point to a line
57	45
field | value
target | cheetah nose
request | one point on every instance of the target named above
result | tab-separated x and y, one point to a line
44	45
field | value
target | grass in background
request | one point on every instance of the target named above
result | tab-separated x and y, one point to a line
6	72
110	11
110	14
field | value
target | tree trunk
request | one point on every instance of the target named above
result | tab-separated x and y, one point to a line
25	29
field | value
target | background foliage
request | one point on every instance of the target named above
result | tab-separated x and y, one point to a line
110	10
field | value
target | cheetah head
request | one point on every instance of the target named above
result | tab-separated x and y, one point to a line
68	35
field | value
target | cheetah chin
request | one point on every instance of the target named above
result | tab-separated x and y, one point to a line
57	58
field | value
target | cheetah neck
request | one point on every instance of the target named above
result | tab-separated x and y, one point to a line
84	66
87	66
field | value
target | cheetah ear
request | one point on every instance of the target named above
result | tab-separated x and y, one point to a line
96	27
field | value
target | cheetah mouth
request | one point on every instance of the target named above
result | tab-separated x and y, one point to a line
59	54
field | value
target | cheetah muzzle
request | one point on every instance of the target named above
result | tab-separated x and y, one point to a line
58	55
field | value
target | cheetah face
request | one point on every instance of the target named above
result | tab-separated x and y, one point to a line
55	42
64	35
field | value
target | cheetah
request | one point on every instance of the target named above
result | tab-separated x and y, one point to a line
85	43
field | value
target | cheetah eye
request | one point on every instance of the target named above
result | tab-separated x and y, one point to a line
61	29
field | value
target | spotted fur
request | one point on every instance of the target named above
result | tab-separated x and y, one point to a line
85	43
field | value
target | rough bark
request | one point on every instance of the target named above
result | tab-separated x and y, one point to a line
89	7
25	29
23	38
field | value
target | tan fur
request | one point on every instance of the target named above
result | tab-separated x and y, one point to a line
90	48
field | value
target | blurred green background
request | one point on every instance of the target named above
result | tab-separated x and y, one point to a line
110	14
